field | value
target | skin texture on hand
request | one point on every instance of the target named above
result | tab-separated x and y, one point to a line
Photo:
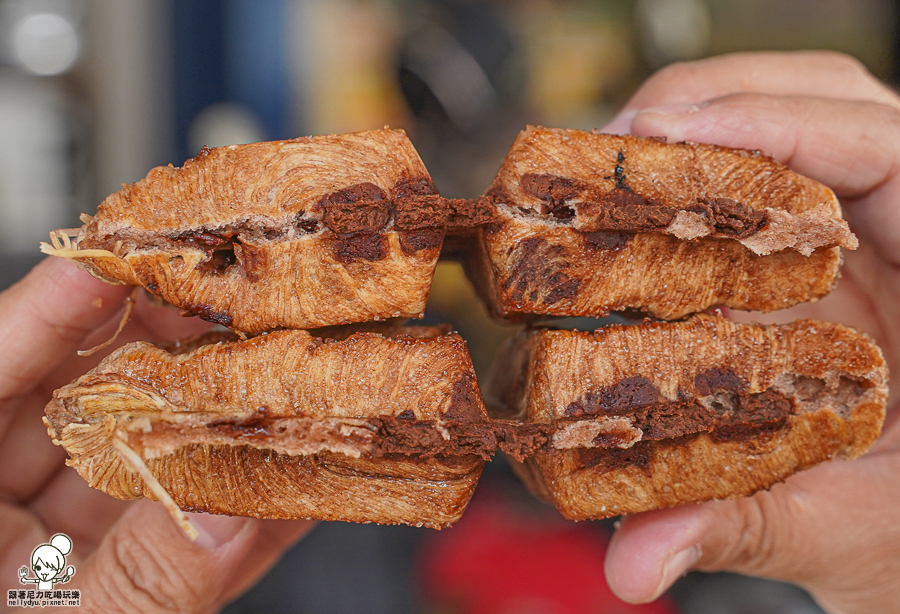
129	556
834	529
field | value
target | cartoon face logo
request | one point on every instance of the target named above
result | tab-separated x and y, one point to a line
47	563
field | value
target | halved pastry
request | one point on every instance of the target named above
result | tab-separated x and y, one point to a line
588	223
673	413
310	232
368	428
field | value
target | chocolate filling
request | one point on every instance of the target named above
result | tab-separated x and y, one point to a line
728	415
726	412
537	273
641	454
721	405
360	246
403	434
356	218
553	191
622	210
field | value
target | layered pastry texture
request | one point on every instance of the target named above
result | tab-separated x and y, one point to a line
303	233
337	229
672	413
368	428
382	424
587	223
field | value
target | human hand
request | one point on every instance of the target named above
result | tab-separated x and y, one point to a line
832	529
130	556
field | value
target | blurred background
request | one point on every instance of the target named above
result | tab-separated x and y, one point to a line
93	93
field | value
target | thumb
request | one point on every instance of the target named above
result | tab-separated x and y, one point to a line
831	529
147	564
849	145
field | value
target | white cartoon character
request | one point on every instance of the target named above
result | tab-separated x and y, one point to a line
47	562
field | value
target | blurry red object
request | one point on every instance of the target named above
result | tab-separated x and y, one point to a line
497	560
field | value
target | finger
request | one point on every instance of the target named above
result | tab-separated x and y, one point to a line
148	322
86	515
44	318
27	455
274	537
799	531
20	533
850	146
825	74
90	513
147	564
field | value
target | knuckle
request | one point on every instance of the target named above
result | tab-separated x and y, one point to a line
857	79
889	117
843	62
755	543
663	82
675	73
139	579
766	528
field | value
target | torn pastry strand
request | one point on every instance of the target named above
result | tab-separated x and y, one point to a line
710	409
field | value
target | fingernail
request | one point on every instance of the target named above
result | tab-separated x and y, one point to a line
680	108
680	563
621	123
214	531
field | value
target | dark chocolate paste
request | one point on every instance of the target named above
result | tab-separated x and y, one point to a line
717	379
623	210
360	209
356	216
403	434
537	266
360	246
464	403
725	413
641	454
609	459
605	240
462	432
422	438
721	405
553	191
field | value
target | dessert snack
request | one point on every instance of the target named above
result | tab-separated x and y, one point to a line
310	232
588	223
707	408
369	428
379	423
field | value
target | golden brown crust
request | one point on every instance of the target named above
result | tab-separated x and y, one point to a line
575	223
287	424
274	180
390	427
700	469
591	223
364	375
325	486
834	379
303	233
525	268
630	172
556	367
